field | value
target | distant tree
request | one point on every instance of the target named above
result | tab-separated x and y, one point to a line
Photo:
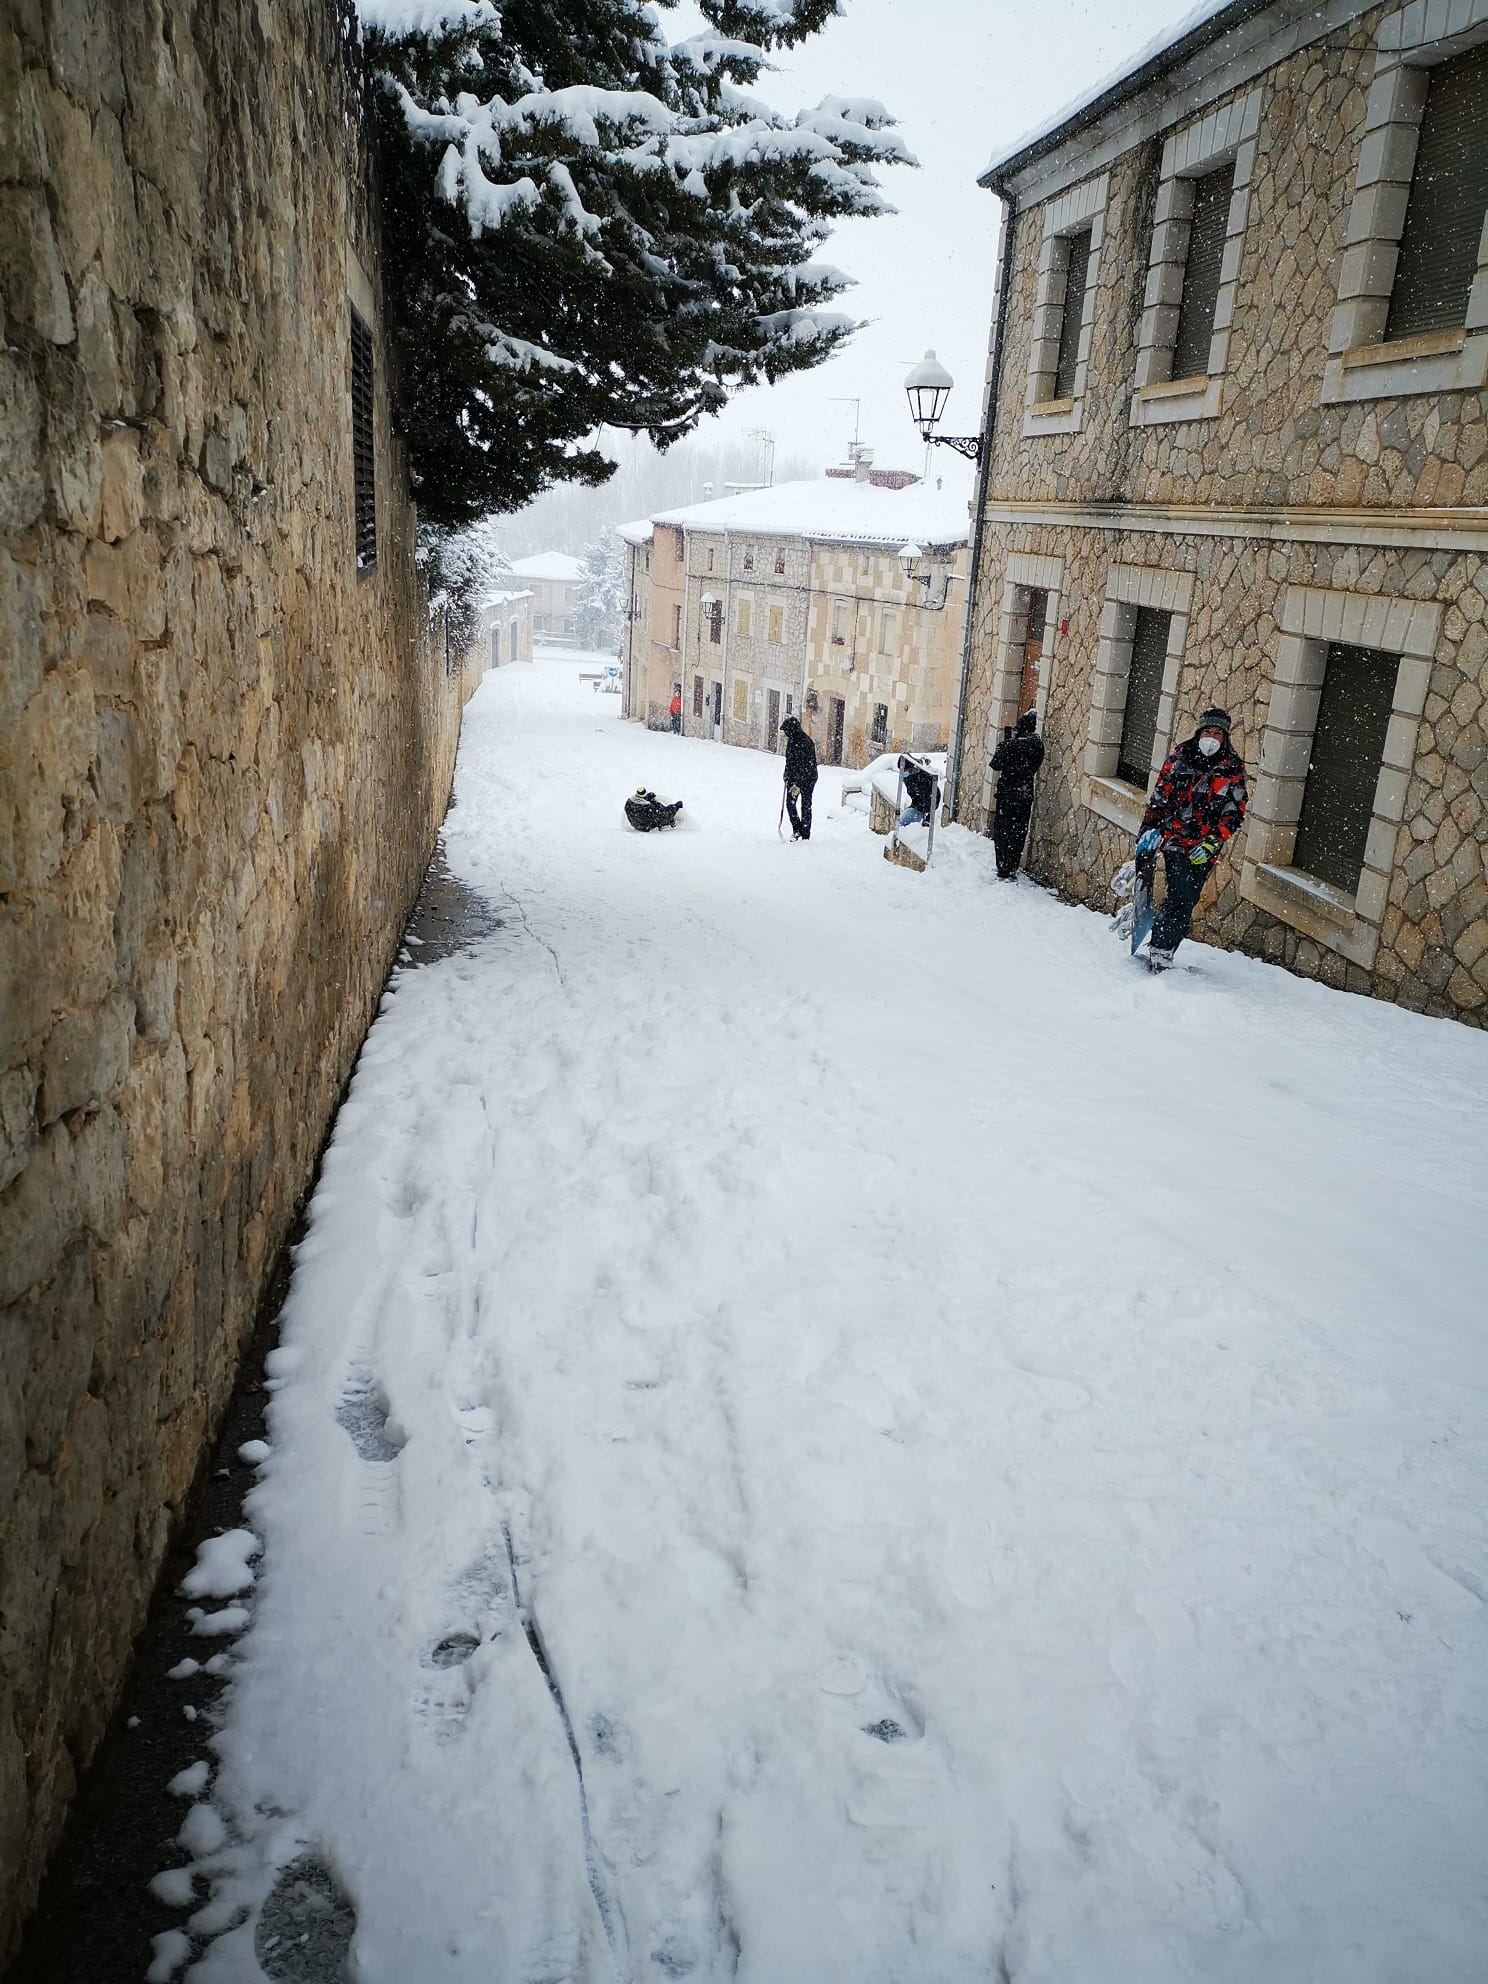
601	609
586	224
461	569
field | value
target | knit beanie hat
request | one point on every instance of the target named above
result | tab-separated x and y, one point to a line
1215	719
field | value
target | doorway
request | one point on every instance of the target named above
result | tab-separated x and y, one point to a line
772	719
717	712
837	718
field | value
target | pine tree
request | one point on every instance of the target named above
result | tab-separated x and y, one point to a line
601	607
586	225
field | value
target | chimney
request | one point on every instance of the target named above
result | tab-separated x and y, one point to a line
863	464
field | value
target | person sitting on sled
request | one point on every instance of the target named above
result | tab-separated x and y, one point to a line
1196	805
919	787
800	777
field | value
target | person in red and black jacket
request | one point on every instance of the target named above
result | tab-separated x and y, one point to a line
1197	803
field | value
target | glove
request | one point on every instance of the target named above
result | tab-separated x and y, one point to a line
1204	853
1150	841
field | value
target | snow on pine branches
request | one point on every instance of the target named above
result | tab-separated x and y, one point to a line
587	225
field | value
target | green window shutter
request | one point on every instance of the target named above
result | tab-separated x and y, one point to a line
1206	241
1072	314
1143	694
1448	199
1347	747
364	479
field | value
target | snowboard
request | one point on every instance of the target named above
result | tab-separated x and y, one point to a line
1142	906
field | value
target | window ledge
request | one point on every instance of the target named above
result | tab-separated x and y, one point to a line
1441	362
1328	916
1051	417
1178	399
1114	800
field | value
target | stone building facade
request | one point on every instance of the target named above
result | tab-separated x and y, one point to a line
883	650
504	631
226	742
788	601
1237	452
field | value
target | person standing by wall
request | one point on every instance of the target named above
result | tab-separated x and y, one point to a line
800	777
674	709
1016	762
1197	803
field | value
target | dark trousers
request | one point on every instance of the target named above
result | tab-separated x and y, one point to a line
1185	886
1010	825
800	821
676	723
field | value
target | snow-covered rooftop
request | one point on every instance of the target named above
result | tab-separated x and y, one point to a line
1149	56
828	511
554	566
506	598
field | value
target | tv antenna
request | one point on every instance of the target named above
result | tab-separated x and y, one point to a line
843	399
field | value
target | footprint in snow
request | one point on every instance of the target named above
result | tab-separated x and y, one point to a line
363	1412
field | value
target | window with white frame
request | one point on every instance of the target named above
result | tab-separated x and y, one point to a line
1068	280
1203	204
1134	687
1412	312
1349	687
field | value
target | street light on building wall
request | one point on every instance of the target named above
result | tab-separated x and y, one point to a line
928	386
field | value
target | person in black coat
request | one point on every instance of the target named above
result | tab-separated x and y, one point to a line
1016	762
919	789
800	777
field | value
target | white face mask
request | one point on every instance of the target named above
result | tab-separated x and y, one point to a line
1208	745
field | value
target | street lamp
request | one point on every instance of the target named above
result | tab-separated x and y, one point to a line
928	387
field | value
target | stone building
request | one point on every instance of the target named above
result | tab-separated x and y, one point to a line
795	600
504	632
226	742
555	580
1236	452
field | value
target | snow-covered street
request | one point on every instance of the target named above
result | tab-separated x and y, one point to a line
830	1429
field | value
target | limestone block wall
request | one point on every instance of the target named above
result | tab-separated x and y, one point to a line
1432	954
916	683
223	757
1260	506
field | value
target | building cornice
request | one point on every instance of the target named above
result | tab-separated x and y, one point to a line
1224	53
1413	529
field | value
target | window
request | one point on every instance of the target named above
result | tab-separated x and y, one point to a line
749	558
710	557
1448	198
777	625
496	645
1206	240
880	730
1338	800
697	695
513	651
839	623
714	610
1071	313
676	626
790	702
745	615
780	561
888	633
741	700
364	477
1143	692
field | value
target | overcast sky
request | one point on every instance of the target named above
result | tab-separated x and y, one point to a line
965	78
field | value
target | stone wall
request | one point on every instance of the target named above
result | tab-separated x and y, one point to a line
223	757
1277	497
